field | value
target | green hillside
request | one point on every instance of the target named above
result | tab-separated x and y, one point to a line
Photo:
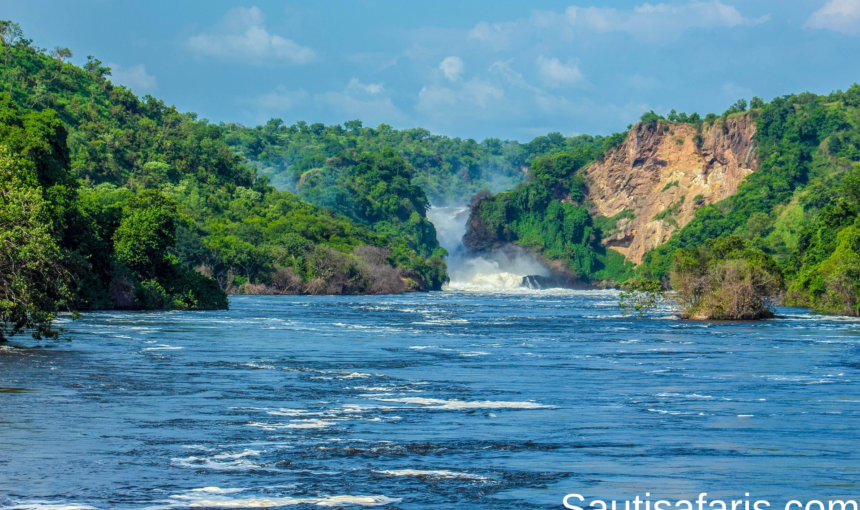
801	208
144	207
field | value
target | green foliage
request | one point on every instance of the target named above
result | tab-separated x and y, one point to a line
34	286
608	224
668	213
612	141
146	231
669	185
826	263
535	217
650	119
740	106
449	170
725	279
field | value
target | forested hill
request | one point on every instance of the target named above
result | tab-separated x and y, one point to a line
449	170
113	201
802	205
797	209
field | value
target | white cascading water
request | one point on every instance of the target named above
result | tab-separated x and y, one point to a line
495	271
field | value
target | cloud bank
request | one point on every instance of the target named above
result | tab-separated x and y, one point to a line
838	16
242	36
646	21
134	77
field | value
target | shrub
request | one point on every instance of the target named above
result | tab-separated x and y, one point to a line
725	280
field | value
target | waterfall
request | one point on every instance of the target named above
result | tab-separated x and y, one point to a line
500	270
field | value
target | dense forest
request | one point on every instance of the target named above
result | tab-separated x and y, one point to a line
108	200
449	170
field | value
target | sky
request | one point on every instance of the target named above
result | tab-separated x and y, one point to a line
471	69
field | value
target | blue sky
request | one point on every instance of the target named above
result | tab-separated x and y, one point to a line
473	69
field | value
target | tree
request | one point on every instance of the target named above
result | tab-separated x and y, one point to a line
61	54
94	67
352	125
739	106
34	285
10	34
146	232
725	280
650	119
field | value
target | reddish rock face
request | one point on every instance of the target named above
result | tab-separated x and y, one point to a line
668	166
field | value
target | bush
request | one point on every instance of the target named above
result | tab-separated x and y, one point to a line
725	280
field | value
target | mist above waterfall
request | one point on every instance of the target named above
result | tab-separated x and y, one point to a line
501	269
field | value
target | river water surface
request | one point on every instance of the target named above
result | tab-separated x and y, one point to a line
440	400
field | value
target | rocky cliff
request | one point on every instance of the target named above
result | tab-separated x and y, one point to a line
654	181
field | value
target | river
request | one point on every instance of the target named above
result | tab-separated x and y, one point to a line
484	400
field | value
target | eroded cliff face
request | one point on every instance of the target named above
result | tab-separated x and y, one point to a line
661	175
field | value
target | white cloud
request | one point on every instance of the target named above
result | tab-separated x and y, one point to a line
511	77
476	94
280	100
242	36
557	74
452	68
496	35
370	88
646	21
134	77
837	15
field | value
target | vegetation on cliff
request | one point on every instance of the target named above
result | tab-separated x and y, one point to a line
800	206
546	214
798	210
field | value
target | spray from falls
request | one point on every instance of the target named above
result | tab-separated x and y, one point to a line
512	268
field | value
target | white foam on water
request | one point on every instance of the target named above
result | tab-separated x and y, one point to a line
214	497
312	423
435	403
441	473
162	347
47	505
217	490
246	453
358	375
220	462
481	282
258	366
